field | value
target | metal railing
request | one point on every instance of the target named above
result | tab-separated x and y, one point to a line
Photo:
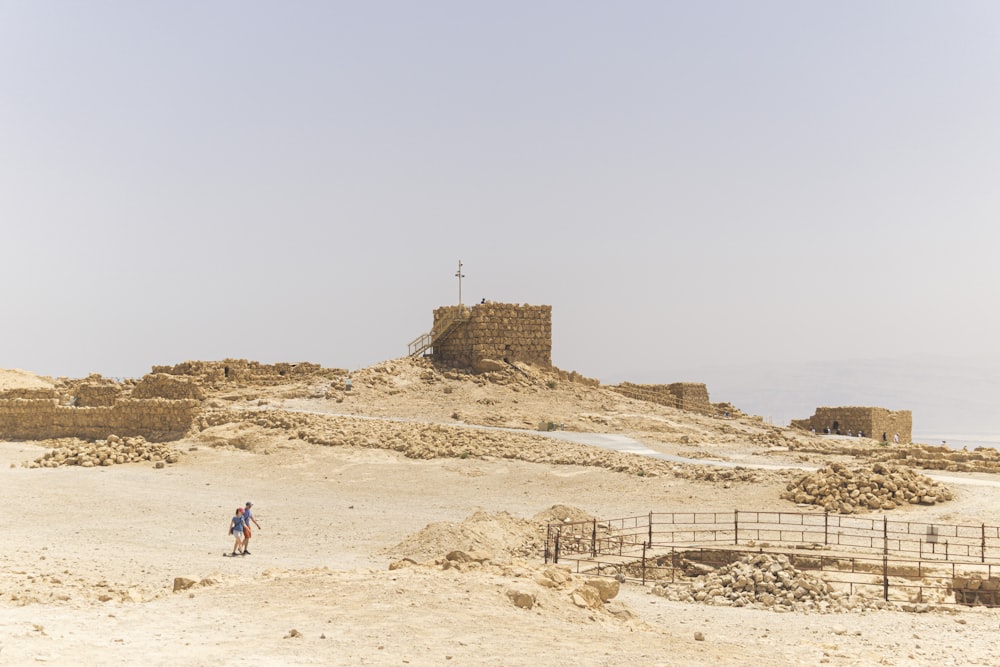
442	328
907	561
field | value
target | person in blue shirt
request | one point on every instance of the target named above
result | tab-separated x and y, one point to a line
236	530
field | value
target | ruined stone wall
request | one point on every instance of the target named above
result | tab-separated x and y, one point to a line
494	331
97	395
155	419
29	394
163	385
691	396
242	371
871	421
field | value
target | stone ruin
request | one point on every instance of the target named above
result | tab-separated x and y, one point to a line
872	422
218	374
487	336
840	489
972	591
93	409
690	396
766	581
160	406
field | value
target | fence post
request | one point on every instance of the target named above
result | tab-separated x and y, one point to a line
555	555
983	560
643	564
826	527
548	540
885	578
885	535
650	528
593	539
736	525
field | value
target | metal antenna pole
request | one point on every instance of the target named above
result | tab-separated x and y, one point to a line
459	275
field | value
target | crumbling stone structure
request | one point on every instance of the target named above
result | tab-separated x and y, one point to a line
97	395
872	422
95	408
241	371
162	385
156	419
486	334
691	396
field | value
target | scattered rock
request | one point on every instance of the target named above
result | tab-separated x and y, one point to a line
114	450
844	490
766	581
183	583
521	598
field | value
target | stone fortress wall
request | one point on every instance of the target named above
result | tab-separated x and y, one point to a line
242	371
871	421
160	406
691	396
156	419
493	332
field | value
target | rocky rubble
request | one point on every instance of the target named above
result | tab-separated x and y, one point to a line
114	450
838	488
766	581
531	584
429	441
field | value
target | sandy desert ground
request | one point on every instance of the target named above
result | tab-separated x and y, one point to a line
89	556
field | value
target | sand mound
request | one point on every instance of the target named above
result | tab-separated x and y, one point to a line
563	514
501	536
18	379
245	436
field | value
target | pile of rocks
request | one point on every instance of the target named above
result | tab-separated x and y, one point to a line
105	453
766	581
531	584
838	488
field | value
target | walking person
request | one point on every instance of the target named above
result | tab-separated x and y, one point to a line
247	518
236	530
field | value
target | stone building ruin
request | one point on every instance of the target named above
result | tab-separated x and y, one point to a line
93	411
487	336
690	396
870	421
244	372
160	406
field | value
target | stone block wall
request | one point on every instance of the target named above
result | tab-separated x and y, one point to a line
29	394
163	385
691	396
872	421
155	419
97	395
494	331
242	371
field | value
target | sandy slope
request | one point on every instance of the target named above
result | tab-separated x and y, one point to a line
89	555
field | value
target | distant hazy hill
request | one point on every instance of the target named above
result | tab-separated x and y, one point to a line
946	396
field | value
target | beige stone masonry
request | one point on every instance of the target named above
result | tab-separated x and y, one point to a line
500	332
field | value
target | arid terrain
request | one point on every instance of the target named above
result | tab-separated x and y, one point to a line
363	494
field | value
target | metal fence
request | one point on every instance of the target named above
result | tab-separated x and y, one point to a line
901	560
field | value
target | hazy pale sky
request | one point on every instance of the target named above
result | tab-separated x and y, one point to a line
686	183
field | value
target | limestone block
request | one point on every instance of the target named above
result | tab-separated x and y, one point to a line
607	588
587	596
521	597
